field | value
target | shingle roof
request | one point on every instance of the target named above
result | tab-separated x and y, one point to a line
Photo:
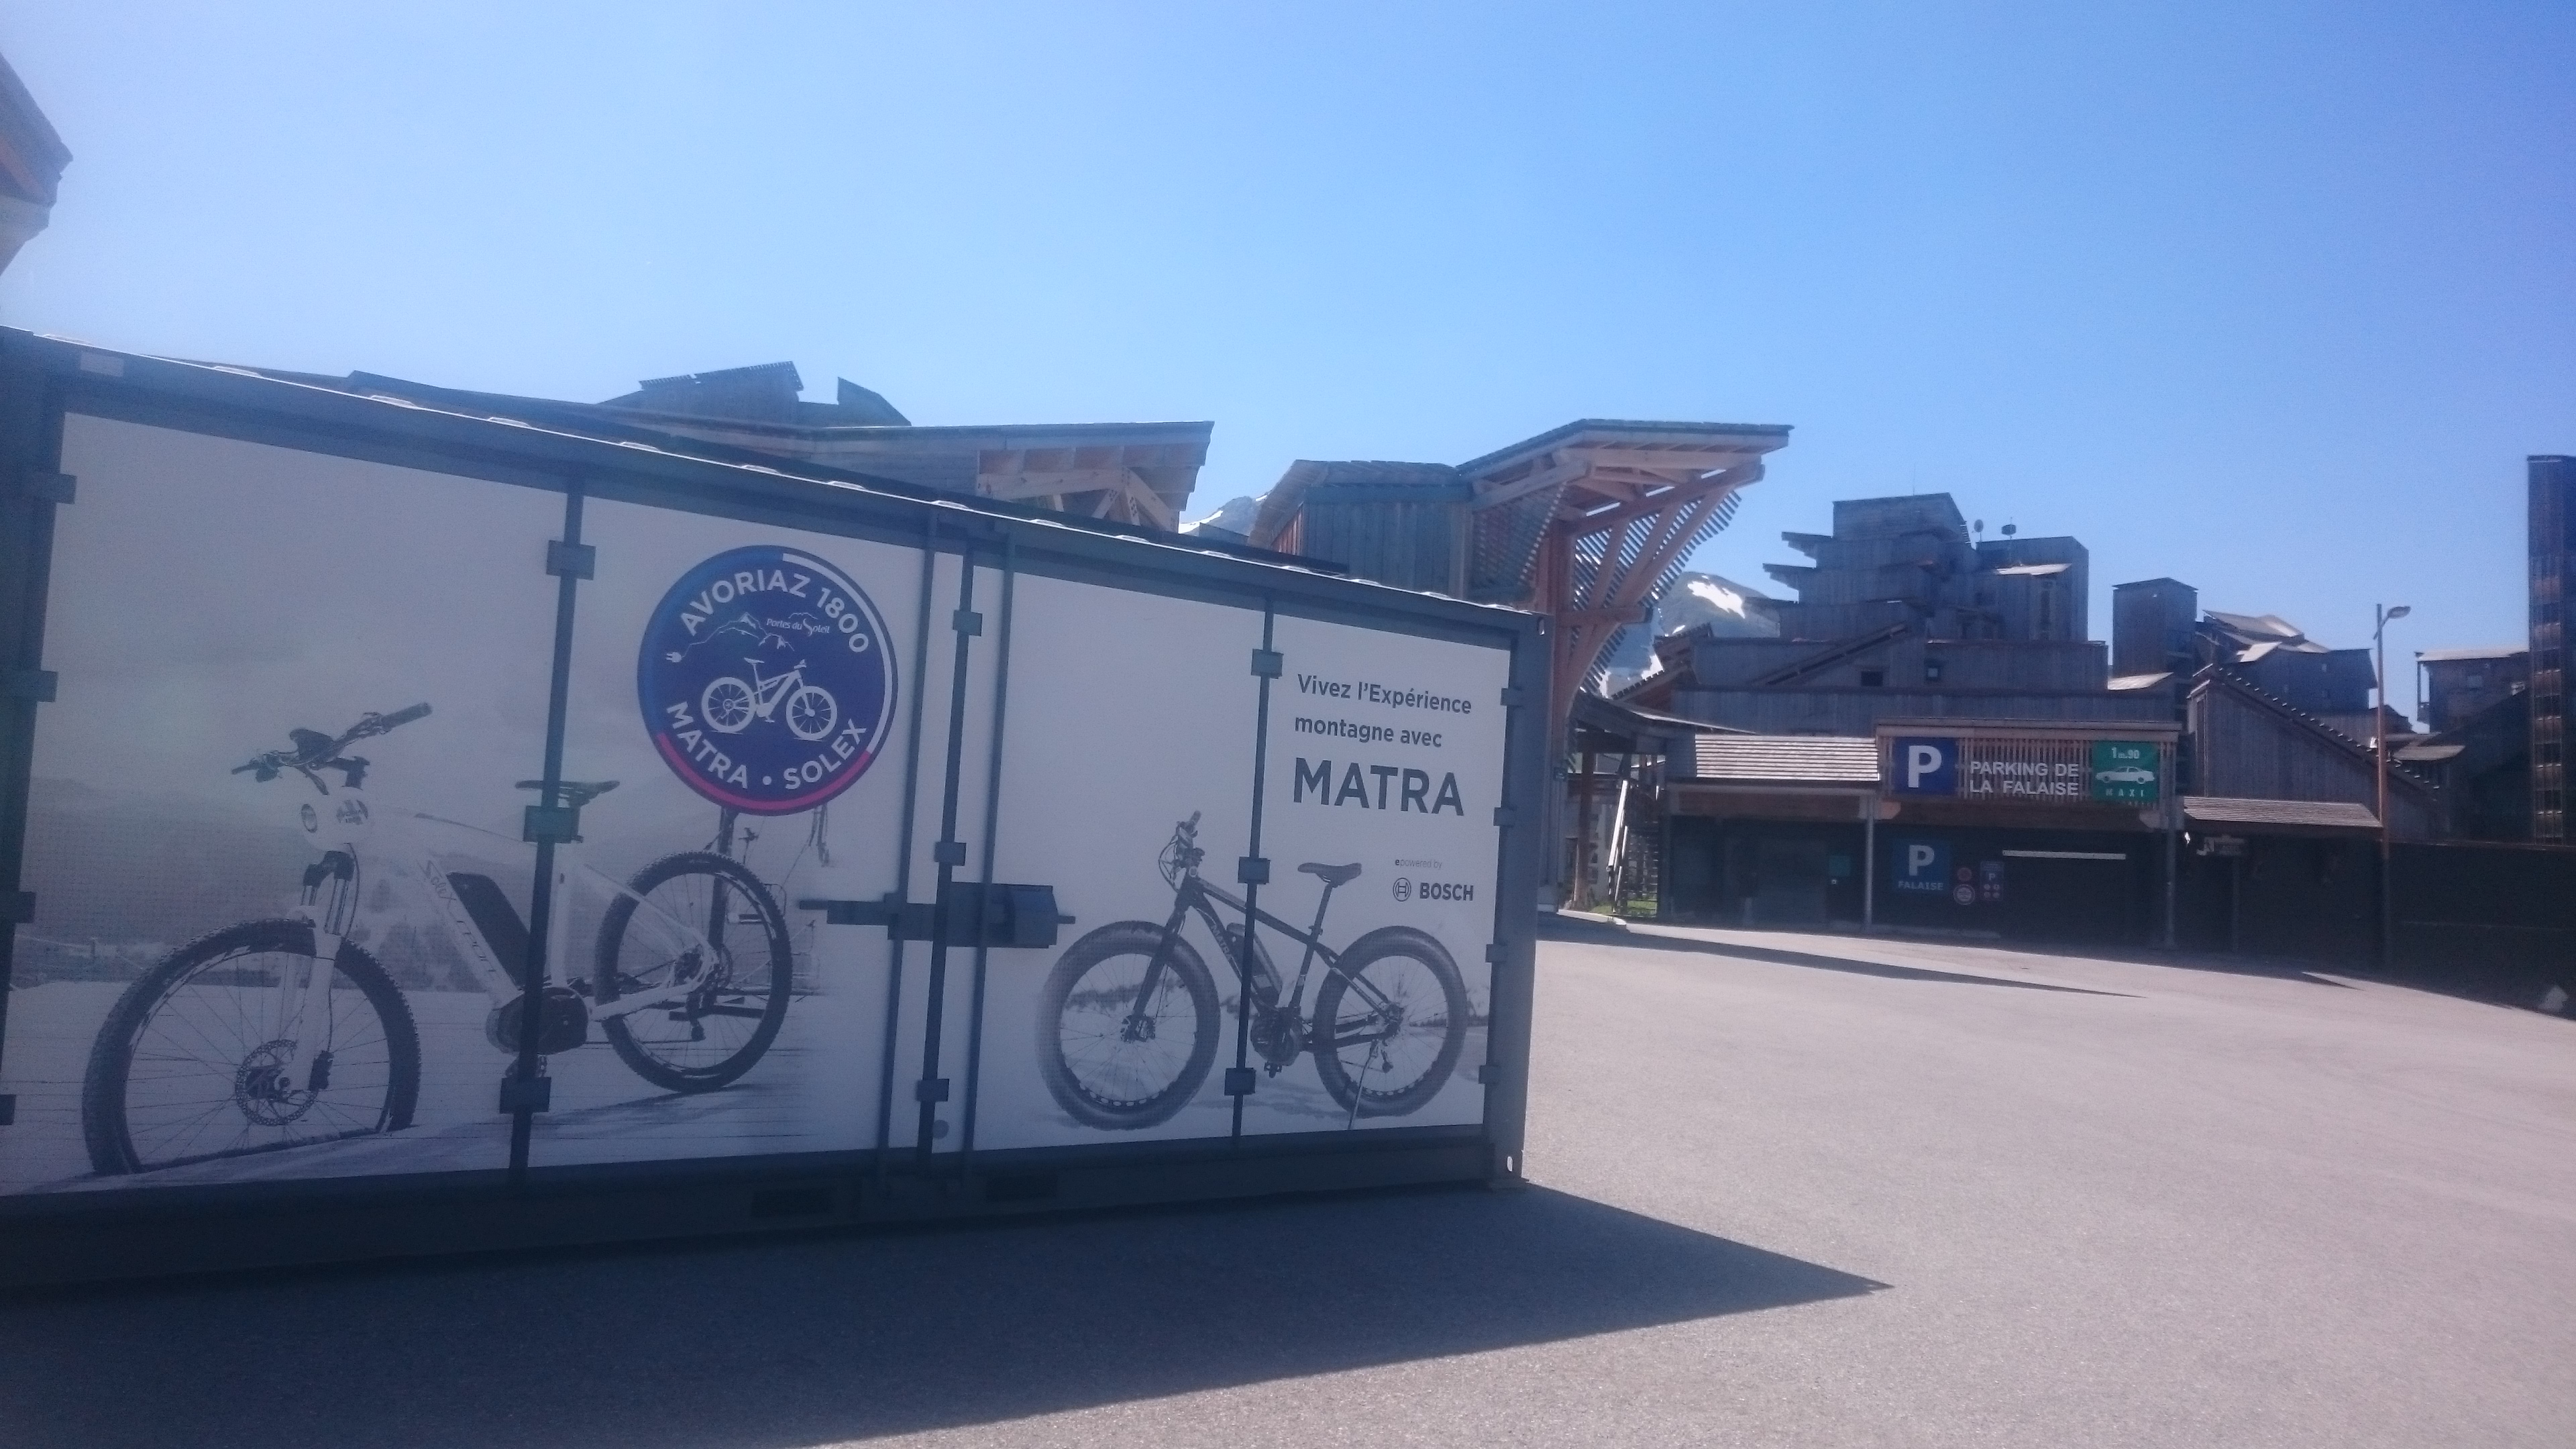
1802	759
2223	810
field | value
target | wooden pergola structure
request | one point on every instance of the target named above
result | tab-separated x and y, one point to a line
1585	524
1602	516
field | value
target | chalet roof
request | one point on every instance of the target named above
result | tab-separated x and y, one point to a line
2304	814
2216	677
1687	437
1150	468
32	156
2448	656
1785	759
2261	634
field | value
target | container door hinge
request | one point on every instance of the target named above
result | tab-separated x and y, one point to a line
1238	1081
34	685
18	908
1494	954
930	1089
1514	698
1506	815
1490	1073
571	560
949	852
8	1109
1268	663
1252	870
52	487
967	622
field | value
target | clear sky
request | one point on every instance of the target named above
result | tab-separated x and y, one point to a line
2272	298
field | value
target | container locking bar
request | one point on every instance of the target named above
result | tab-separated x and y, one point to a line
1010	916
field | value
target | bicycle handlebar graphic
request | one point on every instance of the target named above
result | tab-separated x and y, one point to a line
315	750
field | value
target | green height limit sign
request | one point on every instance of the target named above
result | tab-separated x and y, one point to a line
2125	771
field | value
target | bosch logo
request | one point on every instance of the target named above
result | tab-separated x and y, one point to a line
1433	890
1403	889
765	680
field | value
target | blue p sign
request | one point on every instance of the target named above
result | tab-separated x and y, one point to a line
1922	865
1923	765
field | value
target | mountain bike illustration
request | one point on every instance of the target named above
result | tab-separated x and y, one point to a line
1128	1020
284	1032
729	705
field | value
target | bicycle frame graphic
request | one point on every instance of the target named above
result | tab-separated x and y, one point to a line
287	1031
729	705
1127	1021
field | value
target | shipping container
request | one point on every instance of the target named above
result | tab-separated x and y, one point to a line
434	832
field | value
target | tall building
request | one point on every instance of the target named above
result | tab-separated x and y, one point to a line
1902	612
2553	550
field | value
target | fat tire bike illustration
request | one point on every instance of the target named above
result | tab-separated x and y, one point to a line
729	704
1128	1020
286	1032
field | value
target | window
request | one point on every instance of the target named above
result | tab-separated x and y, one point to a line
1872	678
1932	671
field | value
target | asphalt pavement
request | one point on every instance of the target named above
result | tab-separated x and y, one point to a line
1788	1189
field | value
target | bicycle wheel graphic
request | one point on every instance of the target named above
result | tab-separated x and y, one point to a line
727	705
197	1061
1390	1058
703	937
1112	1057
811	712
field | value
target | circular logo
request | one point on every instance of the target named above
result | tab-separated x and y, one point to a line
765	680
1403	888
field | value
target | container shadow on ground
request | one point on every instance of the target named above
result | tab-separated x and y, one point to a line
828	1337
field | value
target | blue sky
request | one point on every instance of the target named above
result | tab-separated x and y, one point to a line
2271	298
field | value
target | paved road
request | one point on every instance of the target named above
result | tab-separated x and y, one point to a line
1792	1190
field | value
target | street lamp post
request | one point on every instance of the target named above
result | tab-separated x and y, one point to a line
2379	751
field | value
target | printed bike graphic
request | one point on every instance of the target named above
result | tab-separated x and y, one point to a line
729	704
1128	1020
286	1032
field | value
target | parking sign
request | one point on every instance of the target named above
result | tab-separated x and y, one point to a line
1921	865
1923	765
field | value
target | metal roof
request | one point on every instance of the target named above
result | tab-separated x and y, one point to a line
2306	814
2038	570
1786	759
2138	681
2446	656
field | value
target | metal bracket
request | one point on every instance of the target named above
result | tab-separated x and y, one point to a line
949	852
1268	663
930	1089
1506	815
35	685
1489	1073
1514	697
1020	917
571	560
1494	954
558	823
52	487
526	1094
8	1109
967	622
18	908
1252	870
1238	1081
